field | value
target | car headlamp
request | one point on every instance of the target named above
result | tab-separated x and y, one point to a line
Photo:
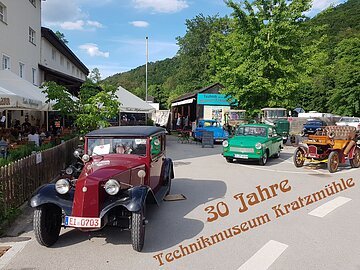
258	146
112	187
141	174
62	186
85	158
225	143
69	170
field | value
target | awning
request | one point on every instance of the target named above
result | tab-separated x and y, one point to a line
17	93
130	103
183	102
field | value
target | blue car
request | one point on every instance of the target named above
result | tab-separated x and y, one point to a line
311	126
210	125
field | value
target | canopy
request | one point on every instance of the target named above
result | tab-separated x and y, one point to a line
131	103
17	93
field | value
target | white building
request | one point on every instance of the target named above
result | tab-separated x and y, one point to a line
35	54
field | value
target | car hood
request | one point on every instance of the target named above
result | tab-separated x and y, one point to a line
246	140
89	191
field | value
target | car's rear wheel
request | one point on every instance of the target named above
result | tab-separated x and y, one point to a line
47	224
264	158
333	162
355	161
138	229
277	154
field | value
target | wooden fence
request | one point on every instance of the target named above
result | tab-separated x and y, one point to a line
20	179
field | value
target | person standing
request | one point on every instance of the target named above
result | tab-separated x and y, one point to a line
3	120
34	136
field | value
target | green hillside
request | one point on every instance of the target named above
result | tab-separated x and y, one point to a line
337	30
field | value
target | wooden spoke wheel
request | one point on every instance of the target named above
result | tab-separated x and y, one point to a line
333	162
355	161
299	157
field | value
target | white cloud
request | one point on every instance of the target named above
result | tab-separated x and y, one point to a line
77	25
320	5
139	23
161	6
95	24
93	50
68	15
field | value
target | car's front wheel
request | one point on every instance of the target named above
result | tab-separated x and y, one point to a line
229	160
138	229
264	158
47	224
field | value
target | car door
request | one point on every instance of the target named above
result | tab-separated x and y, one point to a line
157	152
275	141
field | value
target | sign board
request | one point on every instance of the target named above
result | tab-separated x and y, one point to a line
38	158
207	138
214	99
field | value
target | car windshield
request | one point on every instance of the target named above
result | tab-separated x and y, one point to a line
314	123
209	124
251	131
349	119
103	146
275	113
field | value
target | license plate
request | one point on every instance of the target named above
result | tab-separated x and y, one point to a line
81	222
241	156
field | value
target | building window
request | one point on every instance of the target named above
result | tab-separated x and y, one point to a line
21	70
77	73
32	36
53	54
61	60
68	65
5	62
2	12
33	2
73	69
34	75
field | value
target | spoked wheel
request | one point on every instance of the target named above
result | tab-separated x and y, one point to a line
299	157
138	229
47	224
355	161
264	158
333	162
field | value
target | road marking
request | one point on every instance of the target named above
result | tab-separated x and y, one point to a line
329	206
265	256
15	248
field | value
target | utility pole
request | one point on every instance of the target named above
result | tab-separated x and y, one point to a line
146	69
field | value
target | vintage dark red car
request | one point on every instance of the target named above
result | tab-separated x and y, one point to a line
124	169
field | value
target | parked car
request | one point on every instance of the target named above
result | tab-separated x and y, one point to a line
349	121
210	125
124	169
333	145
253	141
312	126
277	117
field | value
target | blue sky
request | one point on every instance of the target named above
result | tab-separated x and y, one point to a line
110	34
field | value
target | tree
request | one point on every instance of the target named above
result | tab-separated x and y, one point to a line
345	97
91	111
58	95
98	110
258	60
61	36
194	51
95	75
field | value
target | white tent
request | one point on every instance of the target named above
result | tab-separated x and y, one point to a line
17	93
131	103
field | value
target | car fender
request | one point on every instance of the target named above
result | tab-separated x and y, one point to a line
167	169
47	194
138	196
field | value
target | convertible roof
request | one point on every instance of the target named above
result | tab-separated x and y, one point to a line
131	131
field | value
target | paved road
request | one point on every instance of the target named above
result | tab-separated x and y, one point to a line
272	232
